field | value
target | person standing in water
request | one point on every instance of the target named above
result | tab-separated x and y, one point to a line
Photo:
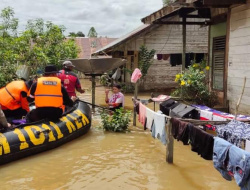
117	98
69	79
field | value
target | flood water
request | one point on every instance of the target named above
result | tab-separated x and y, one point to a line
106	160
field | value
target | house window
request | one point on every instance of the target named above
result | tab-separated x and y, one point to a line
219	45
176	59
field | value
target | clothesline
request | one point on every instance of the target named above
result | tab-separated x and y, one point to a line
197	122
210	147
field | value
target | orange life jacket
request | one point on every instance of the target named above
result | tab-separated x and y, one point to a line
10	95
48	92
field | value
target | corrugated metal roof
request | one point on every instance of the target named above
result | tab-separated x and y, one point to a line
90	45
124	38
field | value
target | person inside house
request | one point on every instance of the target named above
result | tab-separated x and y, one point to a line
49	96
13	98
117	98
3	121
69	79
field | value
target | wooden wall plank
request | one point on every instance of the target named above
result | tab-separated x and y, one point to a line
238	58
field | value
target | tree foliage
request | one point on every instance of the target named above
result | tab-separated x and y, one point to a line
145	59
92	33
167	2
78	34
41	43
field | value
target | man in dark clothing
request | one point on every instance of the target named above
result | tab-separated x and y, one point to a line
70	79
50	96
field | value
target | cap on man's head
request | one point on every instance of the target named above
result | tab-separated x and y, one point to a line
68	64
50	69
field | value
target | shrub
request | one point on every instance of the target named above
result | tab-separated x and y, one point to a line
117	122
7	74
193	85
127	87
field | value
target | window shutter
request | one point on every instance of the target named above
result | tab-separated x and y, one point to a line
219	44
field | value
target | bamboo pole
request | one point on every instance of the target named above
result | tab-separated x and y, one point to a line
238	103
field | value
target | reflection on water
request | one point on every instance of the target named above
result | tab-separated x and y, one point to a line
105	160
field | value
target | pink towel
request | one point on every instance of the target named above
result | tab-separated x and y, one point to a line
136	75
161	98
142	113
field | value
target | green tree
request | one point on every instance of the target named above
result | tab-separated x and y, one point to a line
145	59
72	34
8	34
167	2
80	34
40	44
48	43
92	33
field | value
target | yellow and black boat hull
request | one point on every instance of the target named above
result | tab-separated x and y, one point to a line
29	139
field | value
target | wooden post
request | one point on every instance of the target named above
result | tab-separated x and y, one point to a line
93	92
170	143
184	29
135	96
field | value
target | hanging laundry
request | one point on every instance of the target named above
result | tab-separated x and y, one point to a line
168	105
184	111
166	56
235	132
180	130
117	74
136	75
142	113
247	147
201	142
218	118
159	56
230	161
150	118
206	115
161	98
155	56
158	127
175	59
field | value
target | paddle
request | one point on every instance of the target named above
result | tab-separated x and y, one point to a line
94	105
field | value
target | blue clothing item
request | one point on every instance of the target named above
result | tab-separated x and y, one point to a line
229	158
235	132
158	127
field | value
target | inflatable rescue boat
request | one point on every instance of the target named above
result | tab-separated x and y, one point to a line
32	138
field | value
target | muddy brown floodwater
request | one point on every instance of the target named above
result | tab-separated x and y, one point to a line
106	160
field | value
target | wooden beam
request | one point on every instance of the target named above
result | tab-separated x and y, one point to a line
196	16
181	22
225	101
170	143
222	3
184	37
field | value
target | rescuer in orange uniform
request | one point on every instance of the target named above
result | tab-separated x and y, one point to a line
13	98
50	96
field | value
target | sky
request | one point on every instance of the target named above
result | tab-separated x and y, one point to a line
111	18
